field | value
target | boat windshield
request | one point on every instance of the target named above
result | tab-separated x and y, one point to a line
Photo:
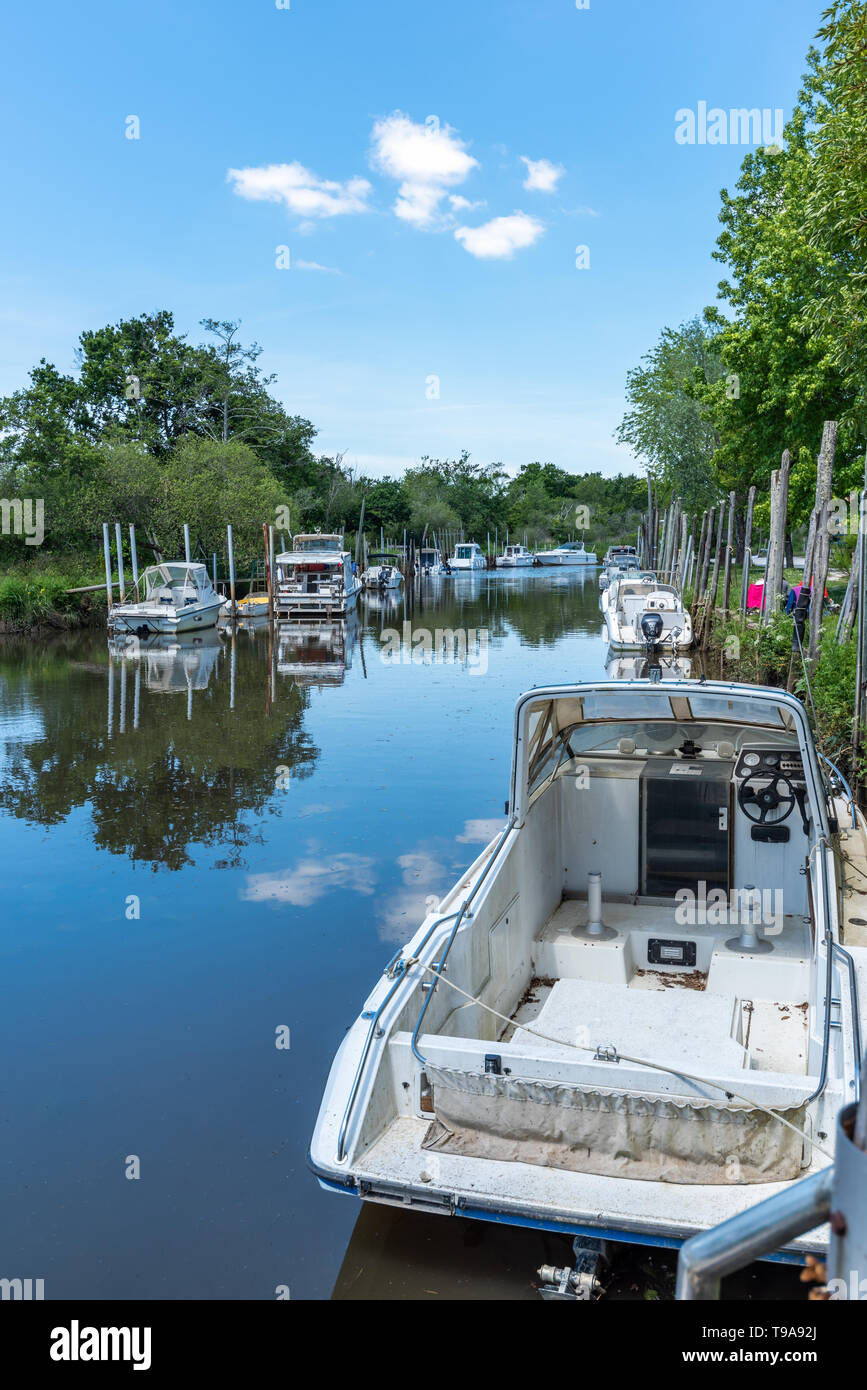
174	576
465	552
653	720
316	544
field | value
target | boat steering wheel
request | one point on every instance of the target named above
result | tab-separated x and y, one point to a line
763	794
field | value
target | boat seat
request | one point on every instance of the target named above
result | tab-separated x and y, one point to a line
677	1027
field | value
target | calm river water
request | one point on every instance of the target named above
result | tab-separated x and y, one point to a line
204	845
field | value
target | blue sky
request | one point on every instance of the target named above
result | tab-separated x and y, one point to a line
352	128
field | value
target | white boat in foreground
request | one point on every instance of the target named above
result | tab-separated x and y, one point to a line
468	556
170	598
315	579
643	615
571	553
638	1012
515	557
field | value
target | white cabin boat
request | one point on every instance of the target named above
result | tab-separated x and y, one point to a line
618	554
639	1011
643	615
316	579
515	557
170	598
570	553
468	556
430	561
383	571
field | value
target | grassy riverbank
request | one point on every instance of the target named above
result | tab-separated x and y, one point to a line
37	597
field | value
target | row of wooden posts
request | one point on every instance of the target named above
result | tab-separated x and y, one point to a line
694	557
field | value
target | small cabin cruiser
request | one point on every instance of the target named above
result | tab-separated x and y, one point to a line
617	554
316	578
383	571
643	615
171	598
468	556
514	557
570	553
430	561
640	1009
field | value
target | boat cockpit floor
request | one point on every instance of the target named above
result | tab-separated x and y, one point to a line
606	992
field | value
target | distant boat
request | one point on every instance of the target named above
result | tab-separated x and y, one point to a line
616	554
383	571
644	615
172	597
571	553
468	556
514	557
430	561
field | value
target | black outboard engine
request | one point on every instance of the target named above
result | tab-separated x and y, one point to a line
651	628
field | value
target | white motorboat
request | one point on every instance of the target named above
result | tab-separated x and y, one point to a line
468	556
383	571
616	569
430	562
171	597
570	553
618	554
316	578
643	615
515	557
638	1012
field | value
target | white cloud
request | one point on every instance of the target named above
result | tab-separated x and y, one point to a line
542	175
461	204
500	238
426	159
479	832
314	265
302	191
311	879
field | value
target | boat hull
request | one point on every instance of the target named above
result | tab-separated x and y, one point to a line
131	617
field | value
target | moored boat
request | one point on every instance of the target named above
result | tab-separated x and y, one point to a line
383	571
515	557
638	1011
316	578
570	553
643	615
468	556
171	597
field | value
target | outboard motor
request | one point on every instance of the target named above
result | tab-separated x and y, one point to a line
651	628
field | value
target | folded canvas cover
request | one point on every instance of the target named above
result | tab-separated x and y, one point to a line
608	1132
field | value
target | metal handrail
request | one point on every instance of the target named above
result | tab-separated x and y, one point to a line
371	1033
441	963
760	1230
856	1021
851	795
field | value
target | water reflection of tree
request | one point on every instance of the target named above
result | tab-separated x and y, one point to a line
155	791
539	611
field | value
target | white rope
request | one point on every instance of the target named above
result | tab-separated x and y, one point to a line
624	1056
